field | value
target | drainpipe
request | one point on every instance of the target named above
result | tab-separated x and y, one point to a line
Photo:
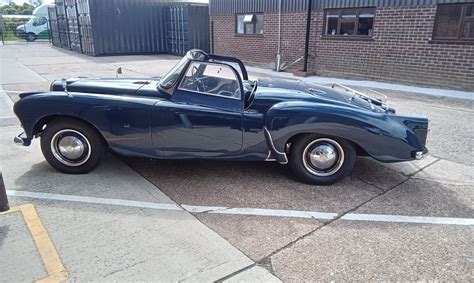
306	43
278	57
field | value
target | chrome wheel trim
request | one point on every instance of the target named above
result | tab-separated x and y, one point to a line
70	147
323	157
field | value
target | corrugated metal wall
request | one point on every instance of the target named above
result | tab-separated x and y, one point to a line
107	27
73	25
53	25
85	27
127	26
187	28
222	7
62	24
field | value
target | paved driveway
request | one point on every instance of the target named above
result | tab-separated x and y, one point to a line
407	221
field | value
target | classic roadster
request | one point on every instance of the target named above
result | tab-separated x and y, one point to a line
206	107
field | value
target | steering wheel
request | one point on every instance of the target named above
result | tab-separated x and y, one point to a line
251	96
197	81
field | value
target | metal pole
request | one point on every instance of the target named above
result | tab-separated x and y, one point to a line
212	37
3	195
306	44
278	57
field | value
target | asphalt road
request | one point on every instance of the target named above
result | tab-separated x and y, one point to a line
262	210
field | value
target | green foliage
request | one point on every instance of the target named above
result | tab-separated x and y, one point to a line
14	9
9	27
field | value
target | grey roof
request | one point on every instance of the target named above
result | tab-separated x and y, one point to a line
222	7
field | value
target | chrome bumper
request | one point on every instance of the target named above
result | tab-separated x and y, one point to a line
421	154
22	139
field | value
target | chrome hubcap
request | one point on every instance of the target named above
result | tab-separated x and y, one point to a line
70	147
323	157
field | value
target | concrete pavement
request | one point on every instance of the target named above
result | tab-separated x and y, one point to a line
102	242
294	249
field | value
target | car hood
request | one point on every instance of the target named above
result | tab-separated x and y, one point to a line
271	91
102	86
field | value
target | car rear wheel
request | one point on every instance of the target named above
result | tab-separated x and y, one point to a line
322	160
72	146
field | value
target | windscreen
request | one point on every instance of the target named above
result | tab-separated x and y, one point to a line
170	78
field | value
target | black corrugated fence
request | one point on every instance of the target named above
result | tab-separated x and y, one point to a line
108	27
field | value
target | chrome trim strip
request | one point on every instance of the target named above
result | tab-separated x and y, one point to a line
211	94
274	148
269	156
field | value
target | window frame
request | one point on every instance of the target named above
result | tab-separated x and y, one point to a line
461	22
236	74
245	24
355	21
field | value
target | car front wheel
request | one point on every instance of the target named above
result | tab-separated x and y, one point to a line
31	37
72	146
322	160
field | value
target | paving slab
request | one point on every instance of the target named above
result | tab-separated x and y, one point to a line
52	60
28	171
115	243
257	236
6	106
409	168
450	120
151	244
93	70
424	198
19	255
448	172
14	72
14	90
255	274
248	184
380	175
362	251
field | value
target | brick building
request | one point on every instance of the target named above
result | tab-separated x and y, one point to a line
422	42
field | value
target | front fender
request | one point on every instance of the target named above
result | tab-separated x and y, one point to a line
383	136
123	121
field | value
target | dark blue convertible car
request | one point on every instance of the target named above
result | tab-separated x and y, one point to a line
207	108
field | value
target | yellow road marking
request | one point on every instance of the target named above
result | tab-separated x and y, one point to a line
49	254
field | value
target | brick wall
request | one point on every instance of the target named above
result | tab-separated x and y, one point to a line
400	51
261	49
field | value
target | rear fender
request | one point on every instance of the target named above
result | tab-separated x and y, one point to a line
379	134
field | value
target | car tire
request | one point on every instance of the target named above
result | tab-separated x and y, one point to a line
72	146
320	160
31	37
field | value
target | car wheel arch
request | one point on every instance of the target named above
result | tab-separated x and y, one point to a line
44	121
359	149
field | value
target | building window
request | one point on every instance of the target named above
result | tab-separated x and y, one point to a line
349	22
454	22
249	24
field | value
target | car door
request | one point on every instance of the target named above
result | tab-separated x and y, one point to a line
203	117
